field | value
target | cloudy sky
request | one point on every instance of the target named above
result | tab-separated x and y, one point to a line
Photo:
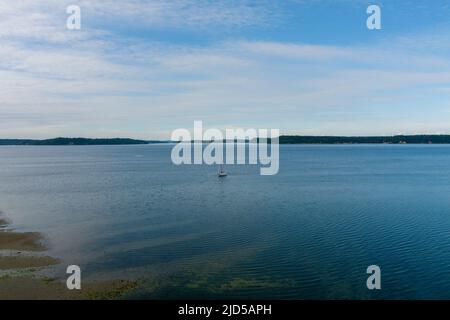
142	68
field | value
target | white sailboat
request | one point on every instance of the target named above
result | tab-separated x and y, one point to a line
222	173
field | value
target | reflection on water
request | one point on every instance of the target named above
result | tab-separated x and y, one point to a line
308	232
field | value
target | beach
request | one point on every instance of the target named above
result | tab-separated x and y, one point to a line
23	255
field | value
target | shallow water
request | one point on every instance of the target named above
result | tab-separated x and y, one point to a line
309	232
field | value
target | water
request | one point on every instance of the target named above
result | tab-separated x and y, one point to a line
309	232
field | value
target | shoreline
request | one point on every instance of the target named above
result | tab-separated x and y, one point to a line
23	255
288	139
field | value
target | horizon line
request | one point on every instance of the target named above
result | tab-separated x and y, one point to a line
283	135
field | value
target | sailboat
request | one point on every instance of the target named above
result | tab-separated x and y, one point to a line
222	173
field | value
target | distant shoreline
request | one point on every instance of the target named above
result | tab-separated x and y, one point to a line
74	141
399	139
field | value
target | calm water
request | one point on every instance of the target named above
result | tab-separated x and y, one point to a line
308	232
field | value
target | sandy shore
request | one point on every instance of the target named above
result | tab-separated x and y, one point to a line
27	241
22	254
21	262
36	288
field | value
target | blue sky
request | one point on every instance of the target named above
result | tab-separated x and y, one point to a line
142	68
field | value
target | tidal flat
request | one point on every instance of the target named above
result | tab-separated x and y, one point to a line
23	256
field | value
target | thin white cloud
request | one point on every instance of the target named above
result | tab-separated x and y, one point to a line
185	13
44	20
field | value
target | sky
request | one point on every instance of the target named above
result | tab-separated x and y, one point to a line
143	68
